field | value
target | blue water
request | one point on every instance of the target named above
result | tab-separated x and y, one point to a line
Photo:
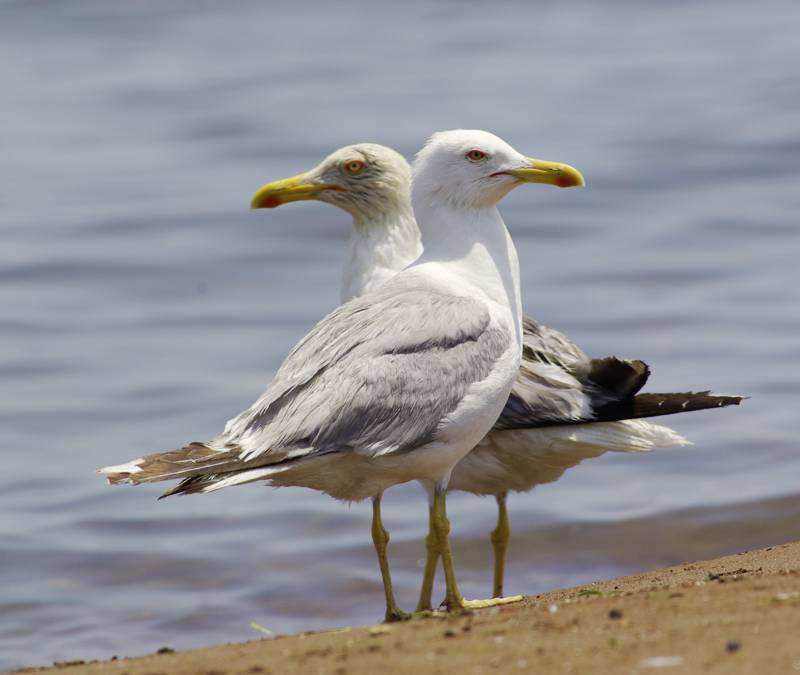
142	304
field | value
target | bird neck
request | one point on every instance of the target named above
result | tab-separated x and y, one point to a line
379	249
474	245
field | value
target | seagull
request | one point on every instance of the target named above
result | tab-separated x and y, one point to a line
402	382
554	417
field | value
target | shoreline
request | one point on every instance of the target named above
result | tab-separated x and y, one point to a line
737	613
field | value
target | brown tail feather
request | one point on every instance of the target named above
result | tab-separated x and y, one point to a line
190	485
191	460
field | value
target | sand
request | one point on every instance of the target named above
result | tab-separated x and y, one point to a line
737	614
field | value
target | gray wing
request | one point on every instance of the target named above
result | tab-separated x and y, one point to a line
377	375
559	384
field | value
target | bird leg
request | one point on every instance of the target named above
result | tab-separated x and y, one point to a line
441	526
499	537
380	537
431	560
453	599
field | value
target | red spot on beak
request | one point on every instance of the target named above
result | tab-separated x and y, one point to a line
564	181
271	202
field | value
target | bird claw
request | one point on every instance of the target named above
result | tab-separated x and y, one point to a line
395	615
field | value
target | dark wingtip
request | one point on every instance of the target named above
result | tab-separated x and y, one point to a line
734	399
172	491
620	377
724	399
652	404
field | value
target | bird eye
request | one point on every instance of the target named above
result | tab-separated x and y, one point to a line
475	155
354	166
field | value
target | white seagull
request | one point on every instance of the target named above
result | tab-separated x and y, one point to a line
559	390
402	382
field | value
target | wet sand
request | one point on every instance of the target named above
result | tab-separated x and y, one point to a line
736	614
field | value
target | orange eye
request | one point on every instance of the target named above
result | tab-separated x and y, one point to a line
354	166
475	155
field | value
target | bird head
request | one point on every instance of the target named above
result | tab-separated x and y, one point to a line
476	169
366	180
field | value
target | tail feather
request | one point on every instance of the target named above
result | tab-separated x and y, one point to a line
216	481
634	407
191	460
655	405
627	436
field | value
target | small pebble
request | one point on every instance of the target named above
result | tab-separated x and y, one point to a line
552	608
450	633
661	662
732	646
165	650
615	614
784	596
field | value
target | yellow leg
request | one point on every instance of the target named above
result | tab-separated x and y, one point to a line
431	560
453	598
380	537
499	537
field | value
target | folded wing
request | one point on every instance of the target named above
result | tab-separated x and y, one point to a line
376	376
559	384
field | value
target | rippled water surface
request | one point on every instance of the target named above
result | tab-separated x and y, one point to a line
142	304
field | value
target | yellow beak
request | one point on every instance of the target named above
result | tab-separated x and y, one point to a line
552	173
293	189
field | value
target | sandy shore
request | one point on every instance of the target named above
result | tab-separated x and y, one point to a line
737	614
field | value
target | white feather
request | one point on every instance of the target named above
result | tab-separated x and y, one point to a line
129	468
518	460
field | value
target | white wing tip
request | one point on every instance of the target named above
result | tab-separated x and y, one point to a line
128	468
249	476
